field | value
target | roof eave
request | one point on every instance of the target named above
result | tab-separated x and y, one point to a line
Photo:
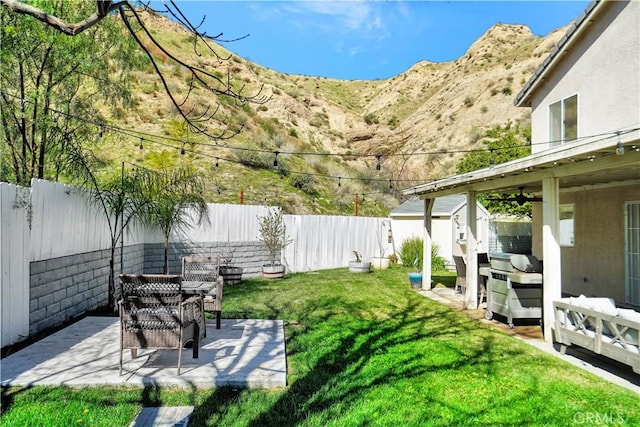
578	149
523	98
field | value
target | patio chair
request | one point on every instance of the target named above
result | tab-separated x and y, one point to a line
154	314
206	269
461	274
483	261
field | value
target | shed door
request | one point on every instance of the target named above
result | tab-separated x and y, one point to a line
632	252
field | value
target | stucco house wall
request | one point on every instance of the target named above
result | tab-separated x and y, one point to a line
595	265
603	69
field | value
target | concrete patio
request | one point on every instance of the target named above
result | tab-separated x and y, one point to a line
243	353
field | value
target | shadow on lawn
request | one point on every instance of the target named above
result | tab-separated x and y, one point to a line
365	351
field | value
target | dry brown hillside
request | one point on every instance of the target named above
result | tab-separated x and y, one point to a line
430	107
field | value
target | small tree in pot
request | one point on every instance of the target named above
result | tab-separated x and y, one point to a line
273	233
232	274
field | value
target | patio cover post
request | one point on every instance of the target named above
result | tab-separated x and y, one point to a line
552	272
426	242
471	290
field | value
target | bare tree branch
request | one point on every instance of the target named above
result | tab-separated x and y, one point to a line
103	8
198	76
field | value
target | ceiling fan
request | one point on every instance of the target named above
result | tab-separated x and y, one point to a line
520	198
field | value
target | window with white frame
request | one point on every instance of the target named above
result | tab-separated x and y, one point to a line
563	120
632	252
566	225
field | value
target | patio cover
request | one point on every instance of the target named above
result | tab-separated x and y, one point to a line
586	163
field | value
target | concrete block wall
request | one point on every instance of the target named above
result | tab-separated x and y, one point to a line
250	255
67	287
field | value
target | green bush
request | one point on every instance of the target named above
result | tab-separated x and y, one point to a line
412	250
371	119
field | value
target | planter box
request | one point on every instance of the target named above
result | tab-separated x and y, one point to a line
359	267
231	275
416	280
273	271
380	263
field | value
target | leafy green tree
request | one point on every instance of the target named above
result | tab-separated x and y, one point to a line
121	195
55	88
503	143
175	202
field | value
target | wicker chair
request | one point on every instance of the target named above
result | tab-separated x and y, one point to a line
206	269
461	274
483	261
154	314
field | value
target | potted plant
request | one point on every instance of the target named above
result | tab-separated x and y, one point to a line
231	274
415	278
273	233
359	266
381	262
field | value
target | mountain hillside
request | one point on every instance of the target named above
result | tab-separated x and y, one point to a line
344	128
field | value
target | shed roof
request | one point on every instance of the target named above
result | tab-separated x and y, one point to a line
442	206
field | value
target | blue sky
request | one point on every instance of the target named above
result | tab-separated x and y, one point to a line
363	39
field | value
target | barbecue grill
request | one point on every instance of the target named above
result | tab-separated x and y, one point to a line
514	287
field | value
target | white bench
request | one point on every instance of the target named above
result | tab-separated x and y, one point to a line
597	325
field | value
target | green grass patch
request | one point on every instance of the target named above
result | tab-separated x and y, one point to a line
362	349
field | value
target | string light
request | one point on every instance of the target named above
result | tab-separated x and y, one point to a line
619	146
141	147
133	133
225	146
217	164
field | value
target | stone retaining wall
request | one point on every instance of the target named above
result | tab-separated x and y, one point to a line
67	287
248	255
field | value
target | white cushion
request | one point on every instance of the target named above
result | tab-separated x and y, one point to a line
627	313
631	336
601	305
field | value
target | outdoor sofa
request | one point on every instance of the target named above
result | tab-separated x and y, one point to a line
599	326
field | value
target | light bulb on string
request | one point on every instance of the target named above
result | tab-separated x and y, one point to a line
492	161
339	181
378	165
619	146
141	147
275	160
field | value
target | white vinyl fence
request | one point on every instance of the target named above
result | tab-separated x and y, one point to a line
14	265
49	221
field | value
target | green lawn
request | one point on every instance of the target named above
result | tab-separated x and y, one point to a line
362	350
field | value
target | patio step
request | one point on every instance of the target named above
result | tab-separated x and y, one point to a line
164	416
